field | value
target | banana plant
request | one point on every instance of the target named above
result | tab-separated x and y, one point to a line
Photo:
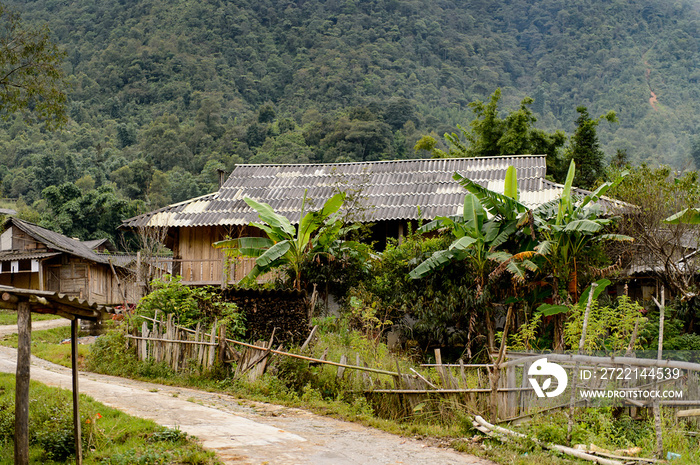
568	227
285	244
478	237
578	224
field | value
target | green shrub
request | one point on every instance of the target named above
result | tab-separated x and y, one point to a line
683	342
56	438
439	305
192	305
110	355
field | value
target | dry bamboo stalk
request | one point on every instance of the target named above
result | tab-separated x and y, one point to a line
310	338
607	361
563	449
212	351
657	405
424	380
196	338
581	343
450	391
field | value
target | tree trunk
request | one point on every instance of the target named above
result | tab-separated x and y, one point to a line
490	330
559	332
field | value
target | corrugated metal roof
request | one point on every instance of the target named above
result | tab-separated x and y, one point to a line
390	189
12	255
68	304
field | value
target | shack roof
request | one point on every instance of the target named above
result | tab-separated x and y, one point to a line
55	303
55	241
390	190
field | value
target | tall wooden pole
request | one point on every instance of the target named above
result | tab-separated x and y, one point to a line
574	380
24	353
76	407
657	402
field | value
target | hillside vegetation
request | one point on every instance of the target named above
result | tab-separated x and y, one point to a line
165	92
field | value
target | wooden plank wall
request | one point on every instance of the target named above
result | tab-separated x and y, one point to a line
202	263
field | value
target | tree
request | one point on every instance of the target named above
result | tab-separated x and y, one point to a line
695	151
584	148
489	135
285	245
663	247
94	214
31	77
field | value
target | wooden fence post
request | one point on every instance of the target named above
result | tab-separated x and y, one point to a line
24	353
76	404
222	344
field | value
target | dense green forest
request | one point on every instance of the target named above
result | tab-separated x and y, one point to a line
162	93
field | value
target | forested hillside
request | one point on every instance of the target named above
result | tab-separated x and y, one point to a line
164	92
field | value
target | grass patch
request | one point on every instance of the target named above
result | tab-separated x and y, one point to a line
46	344
109	436
9	317
296	383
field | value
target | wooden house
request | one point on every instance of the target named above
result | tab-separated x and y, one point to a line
392	194
32	257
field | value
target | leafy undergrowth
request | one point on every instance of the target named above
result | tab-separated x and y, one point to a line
109	436
294	383
9	317
317	388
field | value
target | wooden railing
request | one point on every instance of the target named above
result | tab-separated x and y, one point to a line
203	271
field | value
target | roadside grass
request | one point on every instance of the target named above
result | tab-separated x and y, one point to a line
46	344
9	317
109	436
294	383
445	422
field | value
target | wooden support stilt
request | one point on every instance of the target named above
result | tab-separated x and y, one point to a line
74	325
24	343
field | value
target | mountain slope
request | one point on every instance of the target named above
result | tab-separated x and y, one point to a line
181	83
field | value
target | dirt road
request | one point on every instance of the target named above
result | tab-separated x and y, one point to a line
243	432
36	326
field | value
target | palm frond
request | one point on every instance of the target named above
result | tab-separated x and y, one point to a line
496	204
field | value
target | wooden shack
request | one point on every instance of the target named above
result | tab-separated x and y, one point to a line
391	195
32	257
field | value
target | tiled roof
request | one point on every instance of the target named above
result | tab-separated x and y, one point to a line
95	243
391	189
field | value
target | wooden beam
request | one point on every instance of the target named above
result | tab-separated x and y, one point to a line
24	344
76	407
688	413
9	298
76	311
7	305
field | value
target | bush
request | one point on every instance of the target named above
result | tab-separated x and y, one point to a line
110	355
683	342
192	305
439	306
56	437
